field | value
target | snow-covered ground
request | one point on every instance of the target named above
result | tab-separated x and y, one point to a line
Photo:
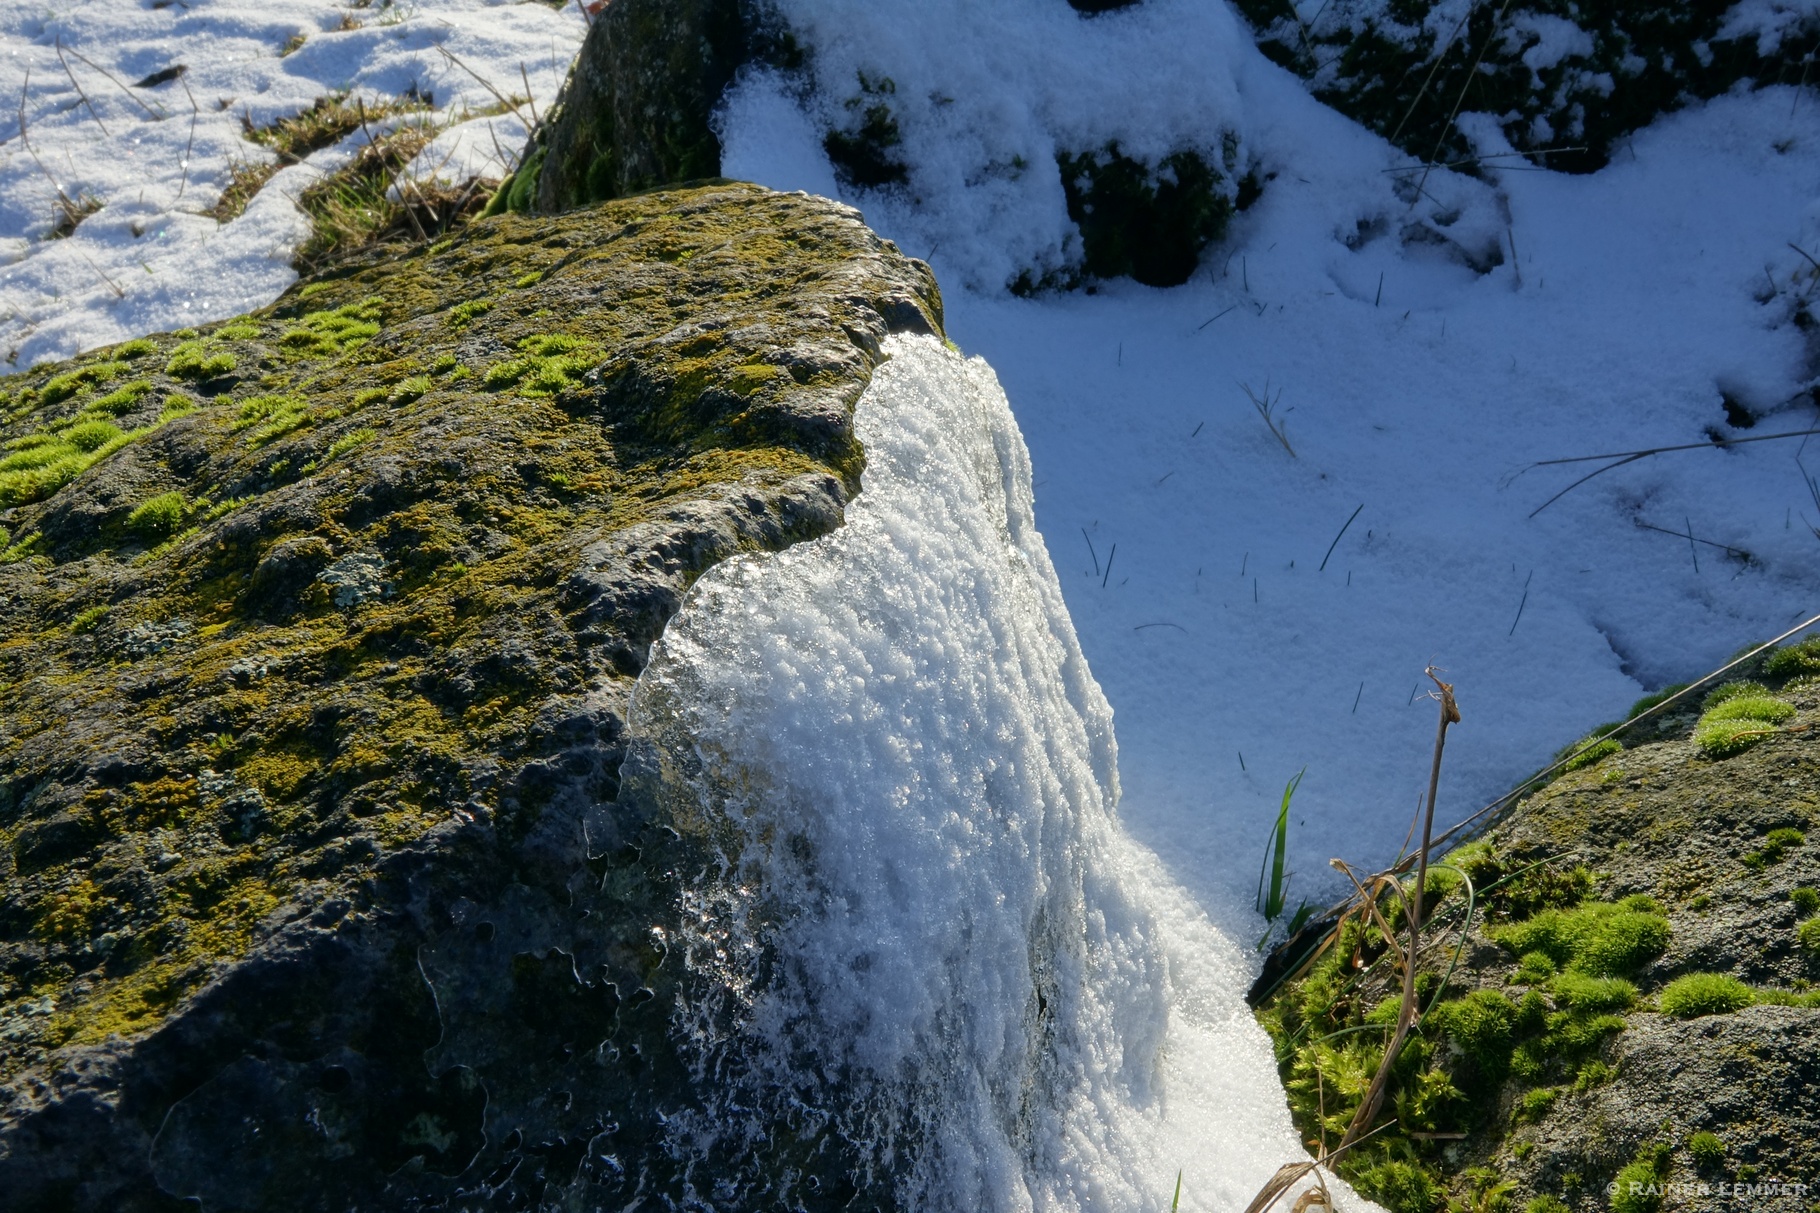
1414	391
157	158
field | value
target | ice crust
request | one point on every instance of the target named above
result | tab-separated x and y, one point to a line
978	973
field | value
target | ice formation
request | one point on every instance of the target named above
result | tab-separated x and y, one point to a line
941	942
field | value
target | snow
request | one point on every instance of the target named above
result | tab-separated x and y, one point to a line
1769	20
921	772
1633	299
1557	38
985	95
157	158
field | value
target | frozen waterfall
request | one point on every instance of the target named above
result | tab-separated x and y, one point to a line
935	937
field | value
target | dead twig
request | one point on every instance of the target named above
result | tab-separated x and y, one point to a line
360	109
70	213
112	285
1289	1174
1471	75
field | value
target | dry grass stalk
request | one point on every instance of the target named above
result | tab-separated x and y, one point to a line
1266	408
1374	1095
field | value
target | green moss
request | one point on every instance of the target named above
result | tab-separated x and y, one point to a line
332	331
71	383
123	399
1807	935
1738	720
464	313
1750	707
348	442
90	436
1599	938
1649	701
158	518
1578	992
138	347
1742	689
1595	1073
1593	753
1795	660
1775	848
1401	1187
410	389
1533	1105
1482	1026
87	620
1807	901
1547	1204
271	417
1638	1187
1707	1151
195	360
1698	994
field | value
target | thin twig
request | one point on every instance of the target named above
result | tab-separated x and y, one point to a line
115	286
484	82
92	111
131	96
360	111
1621	458
530	97
1440	57
1692	538
1337	538
195	112
63	199
1266	409
1205	323
1471	75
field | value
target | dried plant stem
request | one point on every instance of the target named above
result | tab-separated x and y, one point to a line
1266	408
77	85
130	95
1374	1095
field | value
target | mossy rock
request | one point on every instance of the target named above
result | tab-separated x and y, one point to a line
1633	987
635	112
312	685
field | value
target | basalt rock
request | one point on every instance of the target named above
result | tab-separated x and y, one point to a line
319	889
